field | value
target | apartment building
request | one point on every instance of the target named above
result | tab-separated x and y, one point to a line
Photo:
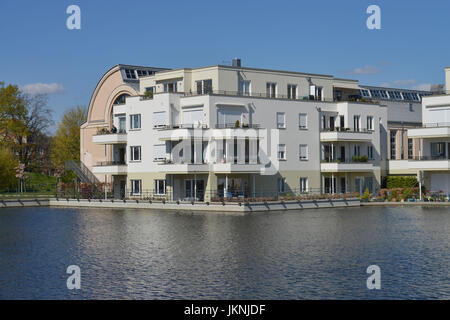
233	131
432	164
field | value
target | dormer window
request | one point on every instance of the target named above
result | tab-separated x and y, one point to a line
130	74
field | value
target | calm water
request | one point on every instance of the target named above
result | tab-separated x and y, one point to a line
140	254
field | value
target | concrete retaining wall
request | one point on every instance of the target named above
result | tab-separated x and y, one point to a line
183	206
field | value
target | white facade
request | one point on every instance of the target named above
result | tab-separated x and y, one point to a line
433	161
220	131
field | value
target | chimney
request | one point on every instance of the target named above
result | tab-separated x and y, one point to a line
236	62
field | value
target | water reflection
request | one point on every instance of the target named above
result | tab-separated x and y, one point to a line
142	254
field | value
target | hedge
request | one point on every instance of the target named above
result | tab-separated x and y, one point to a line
401	182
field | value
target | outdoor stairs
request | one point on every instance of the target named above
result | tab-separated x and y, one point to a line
82	172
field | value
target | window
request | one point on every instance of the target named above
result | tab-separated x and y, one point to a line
356	123
150	89
357	151
410	148
303	121
122	124
370	152
364	93
292	91
369	123
159	119
411	109
159	152
160	187
395	95
244	87
342	121
303	185
315	93
135	153
143	73
193	117
204	86
281	152
121	99
437	150
303	152
281	120
271	89
135	121
281	184
170	87
392	140
130	74
136	187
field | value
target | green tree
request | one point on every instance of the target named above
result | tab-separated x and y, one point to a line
7	168
13	114
66	143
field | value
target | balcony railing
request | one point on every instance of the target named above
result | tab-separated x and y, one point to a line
437	125
104	131
110	163
181	126
429	158
350	130
237	126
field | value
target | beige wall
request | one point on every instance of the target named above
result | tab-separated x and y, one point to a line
108	89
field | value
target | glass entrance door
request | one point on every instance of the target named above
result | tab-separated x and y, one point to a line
194	190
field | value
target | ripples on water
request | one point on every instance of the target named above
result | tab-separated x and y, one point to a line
142	254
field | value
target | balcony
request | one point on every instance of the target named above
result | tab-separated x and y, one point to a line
110	138
346	166
345	135
110	167
183	168
431	130
430	163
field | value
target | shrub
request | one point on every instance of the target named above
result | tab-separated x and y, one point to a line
401	182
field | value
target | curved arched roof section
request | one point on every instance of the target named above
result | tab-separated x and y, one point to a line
110	86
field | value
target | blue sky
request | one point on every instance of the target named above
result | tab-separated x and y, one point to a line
38	52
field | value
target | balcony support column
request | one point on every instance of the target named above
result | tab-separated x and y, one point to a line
253	157
241	151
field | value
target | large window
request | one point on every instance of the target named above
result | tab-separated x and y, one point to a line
292	91
303	152
193	117
135	153
303	185
170	87
437	150
136	186
159	119
204	86
303	121
135	121
369	123
271	89
393	135
281	184
281	120
244	87
370	152
281	152
159	152
160	187
410	148
130	74
356	123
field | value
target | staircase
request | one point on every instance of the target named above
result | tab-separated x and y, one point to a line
82	172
